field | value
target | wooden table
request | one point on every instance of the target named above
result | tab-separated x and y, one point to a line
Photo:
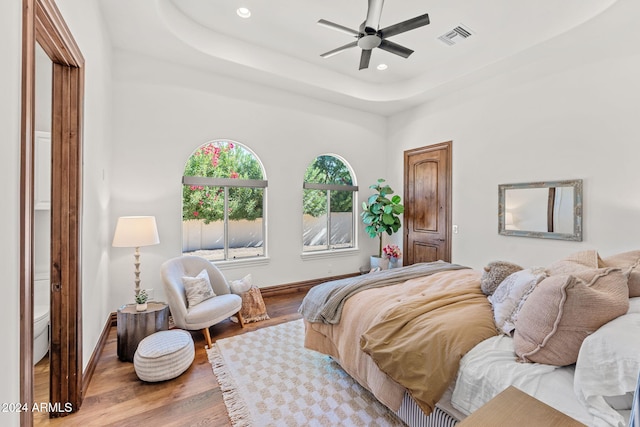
513	407
133	326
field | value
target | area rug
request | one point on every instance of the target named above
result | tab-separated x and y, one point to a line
268	378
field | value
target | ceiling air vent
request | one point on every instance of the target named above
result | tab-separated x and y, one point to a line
456	35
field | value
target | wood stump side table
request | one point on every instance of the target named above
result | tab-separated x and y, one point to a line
133	326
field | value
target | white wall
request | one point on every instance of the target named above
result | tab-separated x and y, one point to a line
10	51
163	112
569	112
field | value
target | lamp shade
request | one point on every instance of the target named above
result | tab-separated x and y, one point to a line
136	231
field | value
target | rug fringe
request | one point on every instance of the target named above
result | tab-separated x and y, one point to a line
238	411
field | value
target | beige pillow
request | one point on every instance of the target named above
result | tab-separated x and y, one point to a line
629	262
563	310
579	261
253	307
197	289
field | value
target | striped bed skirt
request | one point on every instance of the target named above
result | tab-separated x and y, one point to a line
413	416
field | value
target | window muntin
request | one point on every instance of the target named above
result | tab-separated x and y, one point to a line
328	205
223	197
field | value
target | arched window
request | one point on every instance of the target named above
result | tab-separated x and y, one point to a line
328	205
223	196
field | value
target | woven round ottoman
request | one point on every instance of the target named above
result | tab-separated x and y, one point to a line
164	355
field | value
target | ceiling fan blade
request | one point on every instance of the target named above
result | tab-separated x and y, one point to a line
337	27
339	50
392	47
365	58
373	14
409	24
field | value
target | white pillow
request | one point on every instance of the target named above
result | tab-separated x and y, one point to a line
608	365
511	294
241	286
197	289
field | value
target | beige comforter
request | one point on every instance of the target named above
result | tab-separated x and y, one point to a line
413	335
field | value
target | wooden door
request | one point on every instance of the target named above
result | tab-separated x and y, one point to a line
43	24
427	204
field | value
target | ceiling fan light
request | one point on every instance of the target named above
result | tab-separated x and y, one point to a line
243	12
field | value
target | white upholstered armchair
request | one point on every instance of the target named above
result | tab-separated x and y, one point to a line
206	313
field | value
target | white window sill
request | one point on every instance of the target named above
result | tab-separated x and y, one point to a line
240	263
331	253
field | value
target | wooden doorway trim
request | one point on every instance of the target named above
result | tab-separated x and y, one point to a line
427	203
43	24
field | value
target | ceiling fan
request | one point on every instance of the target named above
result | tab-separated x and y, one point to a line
369	36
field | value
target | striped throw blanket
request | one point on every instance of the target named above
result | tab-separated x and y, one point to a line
324	302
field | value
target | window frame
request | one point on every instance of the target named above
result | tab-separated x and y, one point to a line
227	183
353	188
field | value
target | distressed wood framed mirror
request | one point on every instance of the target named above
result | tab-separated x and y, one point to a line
546	210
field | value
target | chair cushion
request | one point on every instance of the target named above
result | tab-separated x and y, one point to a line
164	355
212	311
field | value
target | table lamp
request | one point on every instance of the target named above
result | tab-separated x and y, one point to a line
134	232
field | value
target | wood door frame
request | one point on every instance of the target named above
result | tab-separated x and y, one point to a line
447	145
42	23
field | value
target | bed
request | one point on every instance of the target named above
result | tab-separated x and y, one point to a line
428	343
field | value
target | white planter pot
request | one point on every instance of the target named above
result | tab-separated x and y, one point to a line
141	307
383	263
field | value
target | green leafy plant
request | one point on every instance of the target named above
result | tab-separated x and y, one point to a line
142	296
222	159
380	213
327	170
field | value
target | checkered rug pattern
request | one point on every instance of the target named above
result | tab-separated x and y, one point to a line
268	378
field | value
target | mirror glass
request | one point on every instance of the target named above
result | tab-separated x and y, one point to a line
547	210
42	232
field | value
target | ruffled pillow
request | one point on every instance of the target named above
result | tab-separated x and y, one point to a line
510	295
197	289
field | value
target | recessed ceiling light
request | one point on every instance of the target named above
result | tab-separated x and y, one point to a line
243	12
382	67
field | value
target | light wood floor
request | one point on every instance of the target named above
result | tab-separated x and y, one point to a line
116	397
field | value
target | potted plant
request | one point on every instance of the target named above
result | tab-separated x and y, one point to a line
380	215
141	300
